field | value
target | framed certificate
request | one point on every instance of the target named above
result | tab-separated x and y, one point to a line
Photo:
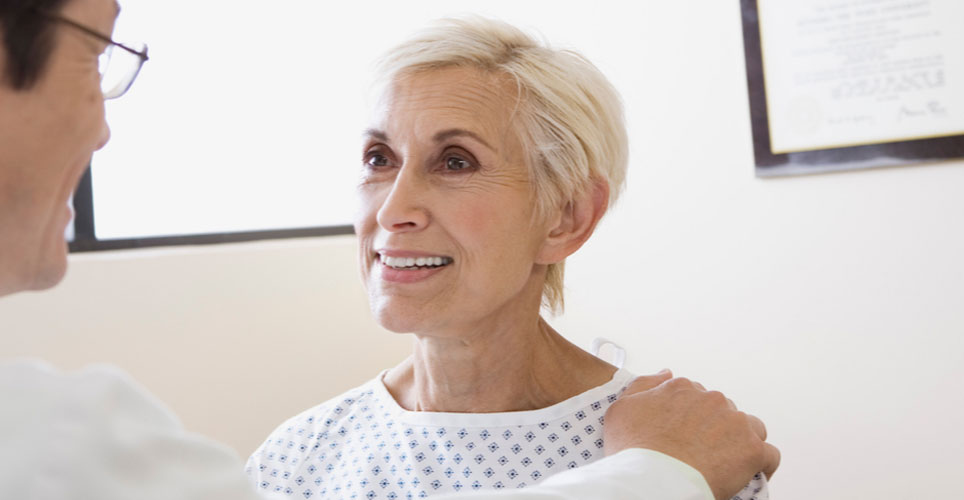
847	84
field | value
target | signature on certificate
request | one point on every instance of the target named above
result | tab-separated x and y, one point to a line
930	109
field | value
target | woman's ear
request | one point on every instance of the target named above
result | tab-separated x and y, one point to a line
575	224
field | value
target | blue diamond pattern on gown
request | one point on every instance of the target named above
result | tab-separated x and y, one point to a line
362	445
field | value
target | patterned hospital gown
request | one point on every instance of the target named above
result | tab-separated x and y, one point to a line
363	445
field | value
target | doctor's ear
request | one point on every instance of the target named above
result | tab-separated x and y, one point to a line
575	223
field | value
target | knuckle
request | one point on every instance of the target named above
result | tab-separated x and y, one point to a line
643	384
754	420
741	422
639	384
716	397
775	456
758	450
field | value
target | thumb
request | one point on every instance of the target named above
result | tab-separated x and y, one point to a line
646	382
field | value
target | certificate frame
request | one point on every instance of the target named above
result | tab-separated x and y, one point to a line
770	164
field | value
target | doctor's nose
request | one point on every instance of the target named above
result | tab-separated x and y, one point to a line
104	136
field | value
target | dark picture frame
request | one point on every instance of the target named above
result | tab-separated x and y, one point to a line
769	164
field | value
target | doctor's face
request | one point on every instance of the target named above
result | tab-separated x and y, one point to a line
48	133
447	236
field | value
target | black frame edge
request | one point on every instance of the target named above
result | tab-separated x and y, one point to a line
79	246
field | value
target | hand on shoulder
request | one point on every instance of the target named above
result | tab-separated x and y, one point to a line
680	418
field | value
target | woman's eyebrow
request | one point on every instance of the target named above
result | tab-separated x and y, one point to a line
374	133
442	136
458	132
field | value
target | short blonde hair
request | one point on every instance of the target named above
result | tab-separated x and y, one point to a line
570	117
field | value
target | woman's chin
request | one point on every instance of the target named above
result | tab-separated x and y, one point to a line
397	318
396	323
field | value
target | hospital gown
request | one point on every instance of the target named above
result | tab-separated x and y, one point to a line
363	445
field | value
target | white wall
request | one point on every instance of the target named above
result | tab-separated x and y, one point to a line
830	306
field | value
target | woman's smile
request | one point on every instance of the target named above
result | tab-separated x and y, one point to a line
409	267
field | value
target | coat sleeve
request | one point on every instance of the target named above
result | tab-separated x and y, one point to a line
633	474
96	434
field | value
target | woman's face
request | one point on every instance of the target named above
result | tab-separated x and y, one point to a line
446	231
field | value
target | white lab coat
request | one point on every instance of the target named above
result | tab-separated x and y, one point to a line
97	435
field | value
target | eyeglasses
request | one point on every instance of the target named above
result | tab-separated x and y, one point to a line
118	68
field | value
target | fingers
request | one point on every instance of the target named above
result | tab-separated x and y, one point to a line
758	427
771	455
684	407
772	459
647	382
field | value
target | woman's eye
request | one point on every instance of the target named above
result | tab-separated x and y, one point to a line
455	163
376	160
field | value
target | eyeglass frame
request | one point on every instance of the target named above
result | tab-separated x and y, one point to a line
142	55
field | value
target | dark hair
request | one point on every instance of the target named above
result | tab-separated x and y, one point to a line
28	39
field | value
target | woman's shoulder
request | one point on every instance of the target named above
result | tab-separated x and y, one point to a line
309	423
298	438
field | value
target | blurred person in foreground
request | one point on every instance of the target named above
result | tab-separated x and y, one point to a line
489	159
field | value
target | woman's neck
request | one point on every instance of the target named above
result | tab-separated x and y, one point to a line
514	365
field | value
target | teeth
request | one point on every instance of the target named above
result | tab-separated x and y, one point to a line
410	262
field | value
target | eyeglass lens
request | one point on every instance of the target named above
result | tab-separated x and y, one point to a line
118	69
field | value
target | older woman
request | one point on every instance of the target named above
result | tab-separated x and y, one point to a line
490	159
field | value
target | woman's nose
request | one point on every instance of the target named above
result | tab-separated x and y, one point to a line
404	208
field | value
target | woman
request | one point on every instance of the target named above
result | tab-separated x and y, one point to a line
489	160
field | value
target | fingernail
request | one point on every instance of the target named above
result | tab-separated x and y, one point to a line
663	371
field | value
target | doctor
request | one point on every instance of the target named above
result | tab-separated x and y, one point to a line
97	435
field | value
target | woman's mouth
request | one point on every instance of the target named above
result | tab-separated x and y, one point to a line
409	269
414	263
